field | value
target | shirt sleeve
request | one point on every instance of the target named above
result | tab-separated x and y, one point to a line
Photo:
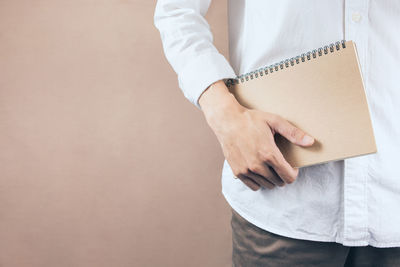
188	46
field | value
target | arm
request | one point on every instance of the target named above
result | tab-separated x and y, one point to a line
188	46
246	136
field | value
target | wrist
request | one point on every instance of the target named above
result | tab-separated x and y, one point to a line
217	98
218	104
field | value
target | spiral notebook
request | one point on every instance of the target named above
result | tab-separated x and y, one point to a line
321	92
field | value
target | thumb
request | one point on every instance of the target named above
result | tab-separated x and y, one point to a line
289	131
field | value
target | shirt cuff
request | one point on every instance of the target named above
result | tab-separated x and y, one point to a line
201	72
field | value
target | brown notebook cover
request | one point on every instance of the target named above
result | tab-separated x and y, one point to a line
320	92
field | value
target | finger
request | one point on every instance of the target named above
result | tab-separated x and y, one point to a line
264	172
290	132
249	182
262	181
282	167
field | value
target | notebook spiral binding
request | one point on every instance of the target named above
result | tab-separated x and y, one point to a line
267	70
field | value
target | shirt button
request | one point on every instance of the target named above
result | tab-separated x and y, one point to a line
356	17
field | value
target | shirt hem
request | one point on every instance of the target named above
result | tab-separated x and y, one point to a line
241	211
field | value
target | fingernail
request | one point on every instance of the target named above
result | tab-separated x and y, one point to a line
307	140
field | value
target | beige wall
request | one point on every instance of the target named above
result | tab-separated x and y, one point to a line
103	162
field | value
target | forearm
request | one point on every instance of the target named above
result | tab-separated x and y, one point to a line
188	45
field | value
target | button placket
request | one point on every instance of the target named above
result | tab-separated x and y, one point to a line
355	225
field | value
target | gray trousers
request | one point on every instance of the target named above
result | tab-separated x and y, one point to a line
253	246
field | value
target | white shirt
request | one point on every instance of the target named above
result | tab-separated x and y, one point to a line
355	202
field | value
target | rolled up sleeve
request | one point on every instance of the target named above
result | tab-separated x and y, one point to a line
188	46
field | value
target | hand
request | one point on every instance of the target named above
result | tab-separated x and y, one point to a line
247	139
